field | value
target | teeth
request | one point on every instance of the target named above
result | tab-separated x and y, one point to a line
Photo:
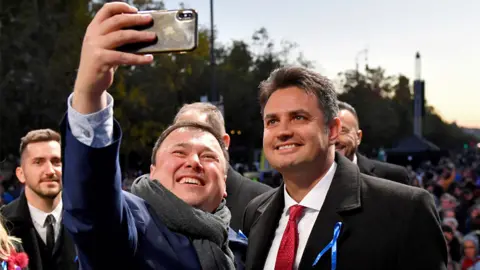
188	180
286	146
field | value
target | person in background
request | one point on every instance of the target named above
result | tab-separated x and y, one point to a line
349	140
470	252
453	244
36	216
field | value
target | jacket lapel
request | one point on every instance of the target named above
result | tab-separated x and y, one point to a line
343	195
263	230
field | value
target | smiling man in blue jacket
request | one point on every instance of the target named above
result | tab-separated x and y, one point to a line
176	217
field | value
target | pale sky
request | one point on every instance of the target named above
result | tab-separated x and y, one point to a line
331	33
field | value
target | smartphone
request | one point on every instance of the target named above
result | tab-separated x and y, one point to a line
177	31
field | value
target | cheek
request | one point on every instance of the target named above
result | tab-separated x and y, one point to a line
342	138
30	174
349	138
267	137
58	171
165	171
214	172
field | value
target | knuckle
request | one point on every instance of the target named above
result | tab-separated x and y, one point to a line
122	35
124	58
97	54
117	19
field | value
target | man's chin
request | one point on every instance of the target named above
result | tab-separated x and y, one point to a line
289	166
50	194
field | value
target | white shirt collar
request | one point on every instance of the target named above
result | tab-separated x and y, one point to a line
354	159
315	197
39	217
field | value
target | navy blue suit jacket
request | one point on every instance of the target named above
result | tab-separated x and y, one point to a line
113	229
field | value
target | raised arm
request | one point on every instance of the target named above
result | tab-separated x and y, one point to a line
95	210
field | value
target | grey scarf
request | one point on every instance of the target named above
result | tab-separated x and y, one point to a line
208	232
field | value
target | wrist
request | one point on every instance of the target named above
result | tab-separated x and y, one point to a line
87	102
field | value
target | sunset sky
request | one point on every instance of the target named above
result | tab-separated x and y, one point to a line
331	33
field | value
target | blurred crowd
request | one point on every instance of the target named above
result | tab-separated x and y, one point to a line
455	186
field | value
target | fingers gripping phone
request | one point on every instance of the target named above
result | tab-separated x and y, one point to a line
177	31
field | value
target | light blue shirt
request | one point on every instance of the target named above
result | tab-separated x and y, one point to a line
95	129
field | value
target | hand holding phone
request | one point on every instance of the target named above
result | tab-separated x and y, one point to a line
99	58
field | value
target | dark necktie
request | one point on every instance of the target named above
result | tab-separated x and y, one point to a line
289	243
50	223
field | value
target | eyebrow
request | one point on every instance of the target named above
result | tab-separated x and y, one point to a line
45	157
184	145
295	112
188	145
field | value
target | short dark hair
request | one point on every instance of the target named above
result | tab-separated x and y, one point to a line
345	106
38	135
190	125
214	115
305	79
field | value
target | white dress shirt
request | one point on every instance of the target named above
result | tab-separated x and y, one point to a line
354	159
312	202
39	217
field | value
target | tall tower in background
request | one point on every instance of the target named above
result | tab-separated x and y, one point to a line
418	97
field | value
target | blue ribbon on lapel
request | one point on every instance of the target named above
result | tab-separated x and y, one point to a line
332	245
242	235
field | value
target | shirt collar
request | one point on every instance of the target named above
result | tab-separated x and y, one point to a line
39	217
316	195
354	158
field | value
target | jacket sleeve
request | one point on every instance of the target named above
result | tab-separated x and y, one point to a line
95	210
425	247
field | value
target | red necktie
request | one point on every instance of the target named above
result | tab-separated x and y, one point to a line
289	244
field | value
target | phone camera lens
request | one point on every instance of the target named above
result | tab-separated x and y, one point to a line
185	15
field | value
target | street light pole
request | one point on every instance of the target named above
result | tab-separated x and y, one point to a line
214	98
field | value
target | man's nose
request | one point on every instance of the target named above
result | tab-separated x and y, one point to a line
193	161
49	169
284	131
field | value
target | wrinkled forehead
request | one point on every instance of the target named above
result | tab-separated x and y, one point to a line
193	138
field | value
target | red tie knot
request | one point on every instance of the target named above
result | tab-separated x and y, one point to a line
295	212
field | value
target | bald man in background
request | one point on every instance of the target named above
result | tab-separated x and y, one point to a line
349	140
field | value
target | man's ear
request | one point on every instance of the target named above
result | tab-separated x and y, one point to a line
360	136
20	175
152	170
226	140
334	130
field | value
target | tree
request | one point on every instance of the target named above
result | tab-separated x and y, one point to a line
39	51
367	91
